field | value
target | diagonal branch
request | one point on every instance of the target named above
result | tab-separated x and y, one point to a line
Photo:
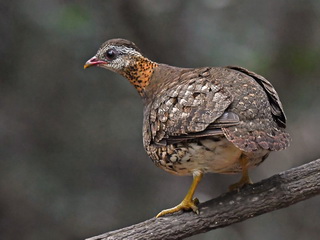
278	191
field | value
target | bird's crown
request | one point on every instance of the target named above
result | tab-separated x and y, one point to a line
119	43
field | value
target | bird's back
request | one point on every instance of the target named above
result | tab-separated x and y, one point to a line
191	105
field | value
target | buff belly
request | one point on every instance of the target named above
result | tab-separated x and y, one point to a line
205	155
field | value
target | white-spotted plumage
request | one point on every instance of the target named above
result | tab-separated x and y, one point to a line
207	155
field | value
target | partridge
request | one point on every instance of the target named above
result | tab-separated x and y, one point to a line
200	120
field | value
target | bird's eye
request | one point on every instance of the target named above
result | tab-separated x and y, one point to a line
111	54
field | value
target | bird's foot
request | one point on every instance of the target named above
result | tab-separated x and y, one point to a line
245	180
188	202
184	205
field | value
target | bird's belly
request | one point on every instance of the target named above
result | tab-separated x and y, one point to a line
207	155
211	156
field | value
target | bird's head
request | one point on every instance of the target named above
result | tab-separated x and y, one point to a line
115	55
124	57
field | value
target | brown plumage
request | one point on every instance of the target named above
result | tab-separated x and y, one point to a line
198	120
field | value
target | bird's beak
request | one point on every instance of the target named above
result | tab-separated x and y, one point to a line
92	62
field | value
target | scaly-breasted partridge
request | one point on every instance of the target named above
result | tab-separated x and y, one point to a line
199	120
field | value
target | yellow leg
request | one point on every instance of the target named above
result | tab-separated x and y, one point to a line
187	203
245	179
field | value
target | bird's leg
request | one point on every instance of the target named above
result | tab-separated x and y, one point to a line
245	179
187	203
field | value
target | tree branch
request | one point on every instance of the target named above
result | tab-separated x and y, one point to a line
278	191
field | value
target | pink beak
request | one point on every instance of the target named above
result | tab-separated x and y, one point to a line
92	62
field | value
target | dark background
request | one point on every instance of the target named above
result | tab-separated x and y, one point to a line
72	161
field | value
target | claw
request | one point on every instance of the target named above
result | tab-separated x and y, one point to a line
187	203
184	205
245	180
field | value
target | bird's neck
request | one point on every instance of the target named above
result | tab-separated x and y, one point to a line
139	73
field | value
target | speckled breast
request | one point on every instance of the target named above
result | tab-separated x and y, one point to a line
216	155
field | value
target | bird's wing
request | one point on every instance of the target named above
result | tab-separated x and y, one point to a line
274	100
227	119
194	106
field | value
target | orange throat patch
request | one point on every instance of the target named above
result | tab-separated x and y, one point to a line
140	73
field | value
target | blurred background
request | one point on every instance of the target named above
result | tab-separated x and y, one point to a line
71	154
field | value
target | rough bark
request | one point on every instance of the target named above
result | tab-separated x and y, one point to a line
278	191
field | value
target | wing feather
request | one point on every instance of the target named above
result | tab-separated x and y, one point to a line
192	104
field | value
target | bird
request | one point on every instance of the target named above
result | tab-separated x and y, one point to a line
200	120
